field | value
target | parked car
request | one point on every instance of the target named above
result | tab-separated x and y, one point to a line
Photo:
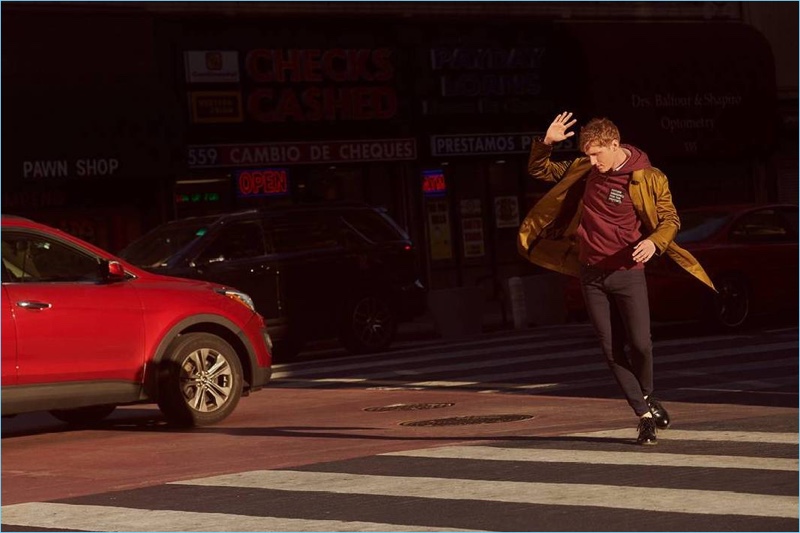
750	253
84	331
315	271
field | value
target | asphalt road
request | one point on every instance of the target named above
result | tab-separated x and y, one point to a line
515	431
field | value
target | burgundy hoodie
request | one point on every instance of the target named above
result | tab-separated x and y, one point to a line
609	227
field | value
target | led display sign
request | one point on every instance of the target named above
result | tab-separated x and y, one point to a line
262	182
433	183
196	197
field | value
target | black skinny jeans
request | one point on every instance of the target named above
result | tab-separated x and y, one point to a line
616	302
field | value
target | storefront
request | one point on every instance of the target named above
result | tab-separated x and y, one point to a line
180	115
704	108
704	112
88	138
487	92
305	112
227	177
386	116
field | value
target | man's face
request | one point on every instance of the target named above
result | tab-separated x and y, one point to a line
602	157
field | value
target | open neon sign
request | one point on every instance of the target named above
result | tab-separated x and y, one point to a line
433	183
262	182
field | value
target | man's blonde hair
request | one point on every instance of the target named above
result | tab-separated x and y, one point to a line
598	131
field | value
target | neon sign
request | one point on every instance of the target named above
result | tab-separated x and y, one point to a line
262	182
195	197
433	183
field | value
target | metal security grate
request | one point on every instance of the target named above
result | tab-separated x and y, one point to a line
409	406
468	420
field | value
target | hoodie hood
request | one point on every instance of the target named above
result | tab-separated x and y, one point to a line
637	161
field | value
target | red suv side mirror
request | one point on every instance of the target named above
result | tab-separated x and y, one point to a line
113	271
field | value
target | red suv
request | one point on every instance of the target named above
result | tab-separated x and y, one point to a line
83	331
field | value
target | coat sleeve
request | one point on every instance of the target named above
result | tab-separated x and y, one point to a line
541	167
667	222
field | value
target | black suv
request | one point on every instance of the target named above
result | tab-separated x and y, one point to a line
314	272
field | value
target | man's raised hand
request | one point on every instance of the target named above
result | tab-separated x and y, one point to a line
557	131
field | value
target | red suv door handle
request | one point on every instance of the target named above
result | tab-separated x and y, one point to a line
34	305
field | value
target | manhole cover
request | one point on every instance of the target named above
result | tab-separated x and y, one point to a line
468	420
409	406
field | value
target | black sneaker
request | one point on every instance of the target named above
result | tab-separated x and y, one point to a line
659	413
647	432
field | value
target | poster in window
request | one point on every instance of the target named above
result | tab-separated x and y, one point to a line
506	212
215	107
472	232
471	207
439	231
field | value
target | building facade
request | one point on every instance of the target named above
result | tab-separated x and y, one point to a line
119	118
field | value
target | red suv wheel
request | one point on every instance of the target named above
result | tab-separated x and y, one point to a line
200	381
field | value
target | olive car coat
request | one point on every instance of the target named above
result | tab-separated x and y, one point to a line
547	236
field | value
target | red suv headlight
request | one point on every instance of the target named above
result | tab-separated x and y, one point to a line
238	296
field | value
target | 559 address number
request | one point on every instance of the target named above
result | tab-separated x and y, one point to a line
202	157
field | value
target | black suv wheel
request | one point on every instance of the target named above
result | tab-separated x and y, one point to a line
368	325
732	304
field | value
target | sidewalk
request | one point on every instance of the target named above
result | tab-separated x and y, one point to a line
467	311
424	327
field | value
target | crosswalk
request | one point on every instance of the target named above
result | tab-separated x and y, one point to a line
736	480
732	475
566	360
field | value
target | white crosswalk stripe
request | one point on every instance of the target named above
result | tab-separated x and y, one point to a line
487	453
708	436
572	494
522	356
576	385
450	353
558	371
61	516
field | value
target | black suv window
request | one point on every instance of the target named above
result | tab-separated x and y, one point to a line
371	225
236	240
308	232
35	258
157	246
